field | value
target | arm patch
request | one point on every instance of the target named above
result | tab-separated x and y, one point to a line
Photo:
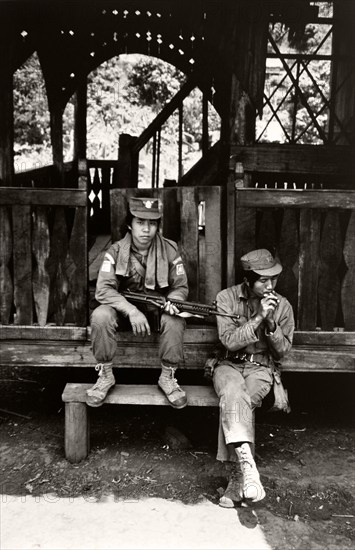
180	269
106	266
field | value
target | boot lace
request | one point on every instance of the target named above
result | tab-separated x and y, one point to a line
250	474
173	383
100	382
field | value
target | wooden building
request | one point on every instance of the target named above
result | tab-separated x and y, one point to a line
293	197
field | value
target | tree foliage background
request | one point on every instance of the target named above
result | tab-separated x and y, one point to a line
125	94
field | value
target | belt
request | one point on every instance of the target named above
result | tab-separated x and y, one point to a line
247	357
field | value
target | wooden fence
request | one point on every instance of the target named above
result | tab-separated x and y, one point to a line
43	256
313	233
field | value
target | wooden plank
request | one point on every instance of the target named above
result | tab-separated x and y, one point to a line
41	249
45	197
308	269
331	256
189	239
57	268
6	286
34	353
348	284
299	198
42	333
230	236
78	354
299	159
288	251
77	442
192	335
22	258
171	213
142	394
323	338
77	303
213	241
105	187
267	236
306	360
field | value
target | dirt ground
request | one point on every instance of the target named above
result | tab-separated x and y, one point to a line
306	459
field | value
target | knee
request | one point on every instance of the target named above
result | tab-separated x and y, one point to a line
227	382
103	316
172	322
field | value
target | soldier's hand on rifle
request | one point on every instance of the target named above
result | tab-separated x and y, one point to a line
139	323
170	309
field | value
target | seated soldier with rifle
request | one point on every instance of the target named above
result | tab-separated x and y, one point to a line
243	369
146	262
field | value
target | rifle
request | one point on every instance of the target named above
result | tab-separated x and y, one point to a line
193	308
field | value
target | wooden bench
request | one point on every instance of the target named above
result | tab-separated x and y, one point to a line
77	429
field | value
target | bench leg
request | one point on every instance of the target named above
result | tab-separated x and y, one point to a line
77	437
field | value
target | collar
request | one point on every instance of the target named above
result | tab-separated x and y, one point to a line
243	291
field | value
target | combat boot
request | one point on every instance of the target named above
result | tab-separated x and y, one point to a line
96	395
168	384
251	484
234	490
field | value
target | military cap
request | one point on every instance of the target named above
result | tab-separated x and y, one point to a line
262	262
147	208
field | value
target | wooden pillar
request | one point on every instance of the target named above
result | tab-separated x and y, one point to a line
80	129
342	115
127	169
56	123
77	445
6	110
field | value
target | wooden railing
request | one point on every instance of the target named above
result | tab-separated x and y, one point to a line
313	233
43	256
48	176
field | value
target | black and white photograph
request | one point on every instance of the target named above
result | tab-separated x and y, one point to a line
177	274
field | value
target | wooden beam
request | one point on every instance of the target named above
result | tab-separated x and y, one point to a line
6	108
192	335
308	269
45	197
302	358
296	159
56	124
164	114
80	111
127	166
283	198
22	260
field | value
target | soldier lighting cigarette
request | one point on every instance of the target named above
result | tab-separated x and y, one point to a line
271	294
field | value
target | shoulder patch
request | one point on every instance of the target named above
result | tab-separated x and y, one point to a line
109	258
